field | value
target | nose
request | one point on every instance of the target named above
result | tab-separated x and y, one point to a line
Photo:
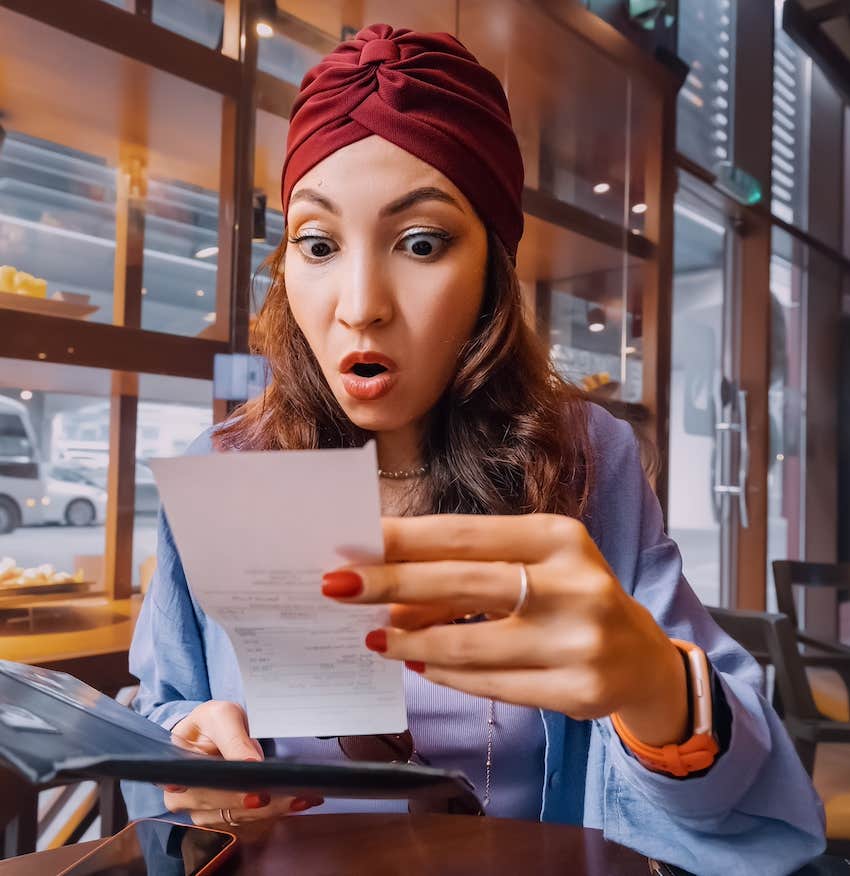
365	298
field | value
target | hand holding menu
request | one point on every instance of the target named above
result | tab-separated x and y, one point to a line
255	533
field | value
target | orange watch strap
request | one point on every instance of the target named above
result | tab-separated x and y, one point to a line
695	754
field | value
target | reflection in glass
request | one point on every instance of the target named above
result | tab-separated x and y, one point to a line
786	405
707	99
198	20
697	350
792	70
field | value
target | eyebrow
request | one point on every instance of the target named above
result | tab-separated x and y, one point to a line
399	205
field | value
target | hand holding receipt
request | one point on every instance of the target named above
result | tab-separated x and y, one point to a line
255	532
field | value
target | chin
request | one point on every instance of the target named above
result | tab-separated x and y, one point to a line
380	416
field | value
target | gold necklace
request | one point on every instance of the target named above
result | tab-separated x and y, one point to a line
403	474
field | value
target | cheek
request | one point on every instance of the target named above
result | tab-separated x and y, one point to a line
308	304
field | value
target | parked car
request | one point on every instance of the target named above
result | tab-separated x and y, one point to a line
71	500
147	494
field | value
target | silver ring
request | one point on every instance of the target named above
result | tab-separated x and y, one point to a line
522	600
227	817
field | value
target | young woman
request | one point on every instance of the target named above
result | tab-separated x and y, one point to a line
394	312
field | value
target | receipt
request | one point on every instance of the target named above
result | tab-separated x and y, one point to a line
255	533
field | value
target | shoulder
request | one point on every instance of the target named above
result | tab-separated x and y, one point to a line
612	440
205	442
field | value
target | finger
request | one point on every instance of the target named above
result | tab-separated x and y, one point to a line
459	587
226	727
416	617
502	643
571	693
277	808
213	798
526	538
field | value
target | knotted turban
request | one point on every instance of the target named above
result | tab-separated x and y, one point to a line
425	93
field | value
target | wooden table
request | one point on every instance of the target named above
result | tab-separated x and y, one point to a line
88	637
436	845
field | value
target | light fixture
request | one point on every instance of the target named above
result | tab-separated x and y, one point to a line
210	317
206	252
596	319
630	351
601	188
200	293
144	291
639	208
264	29
42	356
780	457
26	395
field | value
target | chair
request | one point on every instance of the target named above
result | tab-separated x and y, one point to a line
771	639
818	654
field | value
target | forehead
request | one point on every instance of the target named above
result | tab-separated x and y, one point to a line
372	172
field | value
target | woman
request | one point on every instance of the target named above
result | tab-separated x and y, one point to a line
394	312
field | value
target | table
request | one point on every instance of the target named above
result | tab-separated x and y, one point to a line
386	845
90	640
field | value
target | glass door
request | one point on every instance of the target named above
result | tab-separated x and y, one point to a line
708	408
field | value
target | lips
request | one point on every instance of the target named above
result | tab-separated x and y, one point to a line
367	375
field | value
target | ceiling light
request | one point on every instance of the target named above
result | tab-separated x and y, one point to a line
639	208
200	293
206	252
210	317
26	395
144	291
601	188
596	319
264	29
630	351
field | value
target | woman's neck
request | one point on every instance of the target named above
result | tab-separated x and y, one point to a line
400	450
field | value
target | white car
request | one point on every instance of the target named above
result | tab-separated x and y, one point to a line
73	502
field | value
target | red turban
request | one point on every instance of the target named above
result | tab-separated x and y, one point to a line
425	93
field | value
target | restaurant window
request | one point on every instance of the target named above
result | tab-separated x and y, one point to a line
707	99
73	176
172	413
54	444
198	20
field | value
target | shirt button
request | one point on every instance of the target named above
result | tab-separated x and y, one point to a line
555	779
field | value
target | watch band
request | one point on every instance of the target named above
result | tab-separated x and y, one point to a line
700	750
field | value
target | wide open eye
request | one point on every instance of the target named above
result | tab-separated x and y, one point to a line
315	247
424	244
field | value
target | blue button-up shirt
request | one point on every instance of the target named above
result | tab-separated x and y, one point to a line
753	812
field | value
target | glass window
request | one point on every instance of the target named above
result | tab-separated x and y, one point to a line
172	412
706	100
791	98
54	441
198	20
62	176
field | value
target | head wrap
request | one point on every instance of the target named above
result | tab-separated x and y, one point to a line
425	93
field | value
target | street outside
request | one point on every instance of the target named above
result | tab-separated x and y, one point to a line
58	545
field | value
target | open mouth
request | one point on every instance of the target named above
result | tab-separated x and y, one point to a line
363	369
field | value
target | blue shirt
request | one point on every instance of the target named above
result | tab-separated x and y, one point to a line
753	811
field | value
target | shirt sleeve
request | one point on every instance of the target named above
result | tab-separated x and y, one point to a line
757	795
167	652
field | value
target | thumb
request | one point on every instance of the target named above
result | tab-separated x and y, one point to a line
220	728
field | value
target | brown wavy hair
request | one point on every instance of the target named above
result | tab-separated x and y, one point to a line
508	436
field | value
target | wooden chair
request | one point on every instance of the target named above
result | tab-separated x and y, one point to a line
822	657
771	639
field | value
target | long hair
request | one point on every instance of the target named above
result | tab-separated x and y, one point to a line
508	435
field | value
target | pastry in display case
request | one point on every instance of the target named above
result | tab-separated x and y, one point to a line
19	585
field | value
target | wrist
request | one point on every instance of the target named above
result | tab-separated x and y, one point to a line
663	716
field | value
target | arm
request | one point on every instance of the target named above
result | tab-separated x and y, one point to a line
756	803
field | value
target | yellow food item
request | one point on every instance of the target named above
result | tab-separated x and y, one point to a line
7	278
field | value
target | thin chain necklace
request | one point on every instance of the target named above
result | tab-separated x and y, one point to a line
403	474
491	722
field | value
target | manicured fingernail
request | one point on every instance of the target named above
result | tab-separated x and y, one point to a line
256	801
376	640
299	804
342	584
175	789
415	665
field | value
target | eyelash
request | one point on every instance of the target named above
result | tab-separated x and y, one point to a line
444	236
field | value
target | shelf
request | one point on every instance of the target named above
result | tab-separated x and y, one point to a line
46	306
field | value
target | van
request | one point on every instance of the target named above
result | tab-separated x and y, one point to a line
22	487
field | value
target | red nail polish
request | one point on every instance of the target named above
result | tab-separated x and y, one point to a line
175	789
376	640
299	804
415	665
342	585
256	801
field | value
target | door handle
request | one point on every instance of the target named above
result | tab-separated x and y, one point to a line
743	459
